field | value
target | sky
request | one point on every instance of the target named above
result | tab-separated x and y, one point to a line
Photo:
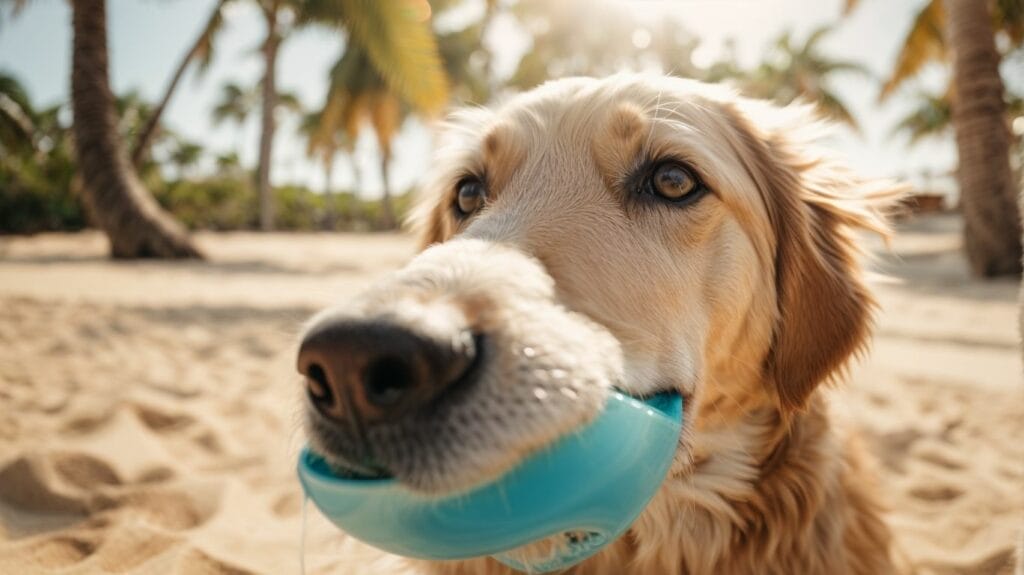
149	37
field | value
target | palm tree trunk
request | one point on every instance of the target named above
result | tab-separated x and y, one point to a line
135	224
387	210
145	137
330	214
988	193
356	214
268	105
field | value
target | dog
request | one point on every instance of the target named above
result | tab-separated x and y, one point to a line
639	233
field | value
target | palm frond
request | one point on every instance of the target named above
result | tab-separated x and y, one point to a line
815	36
385	117
931	117
15	121
202	50
235	104
924	44
1009	17
397	40
289	101
833	107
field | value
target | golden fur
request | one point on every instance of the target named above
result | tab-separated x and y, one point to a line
746	302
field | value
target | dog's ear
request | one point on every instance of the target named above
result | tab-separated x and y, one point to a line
824	307
431	218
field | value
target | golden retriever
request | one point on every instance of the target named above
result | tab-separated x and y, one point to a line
641	233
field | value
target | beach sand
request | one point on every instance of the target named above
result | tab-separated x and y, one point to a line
149	412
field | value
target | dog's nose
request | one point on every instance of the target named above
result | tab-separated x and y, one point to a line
378	371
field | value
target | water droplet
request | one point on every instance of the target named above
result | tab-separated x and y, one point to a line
540	394
529	352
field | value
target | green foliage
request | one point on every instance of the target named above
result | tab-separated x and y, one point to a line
37	196
17	119
791	70
932	116
217	203
229	203
36	166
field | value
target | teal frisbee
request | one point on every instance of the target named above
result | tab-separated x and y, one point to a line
586	487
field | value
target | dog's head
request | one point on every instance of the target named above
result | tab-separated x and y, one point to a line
636	233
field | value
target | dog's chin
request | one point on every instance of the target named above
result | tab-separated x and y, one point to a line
441	470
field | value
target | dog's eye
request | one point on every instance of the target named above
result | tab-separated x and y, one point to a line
674	182
470	196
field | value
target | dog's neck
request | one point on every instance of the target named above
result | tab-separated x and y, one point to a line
745	476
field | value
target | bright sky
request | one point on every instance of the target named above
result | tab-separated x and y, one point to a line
148	37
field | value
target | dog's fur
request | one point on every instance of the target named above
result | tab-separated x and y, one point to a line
746	302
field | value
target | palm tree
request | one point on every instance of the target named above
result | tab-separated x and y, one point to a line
357	94
927	41
235	104
200	51
273	14
790	71
393	35
399	43
228	162
135	224
965	30
325	142
185	156
392	58
992	230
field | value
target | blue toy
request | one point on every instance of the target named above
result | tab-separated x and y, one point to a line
587	487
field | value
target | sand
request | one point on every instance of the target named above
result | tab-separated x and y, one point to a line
149	411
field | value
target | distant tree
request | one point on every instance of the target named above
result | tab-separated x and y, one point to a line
325	142
372	81
932	116
228	162
359	93
394	34
235	104
135	224
201	52
791	70
185	156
